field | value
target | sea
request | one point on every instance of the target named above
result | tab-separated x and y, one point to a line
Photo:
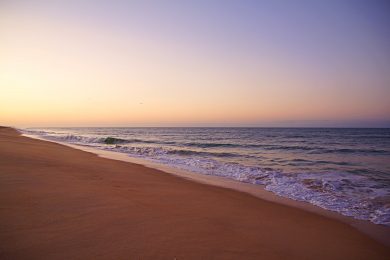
339	169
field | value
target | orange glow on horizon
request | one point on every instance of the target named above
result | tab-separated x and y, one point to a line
62	72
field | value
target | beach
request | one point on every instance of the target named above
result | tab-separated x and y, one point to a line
61	203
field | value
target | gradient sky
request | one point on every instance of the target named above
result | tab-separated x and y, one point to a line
195	63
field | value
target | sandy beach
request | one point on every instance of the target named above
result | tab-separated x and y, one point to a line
61	203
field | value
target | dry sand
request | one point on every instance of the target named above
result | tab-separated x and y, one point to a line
57	202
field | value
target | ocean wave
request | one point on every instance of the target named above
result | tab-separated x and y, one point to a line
355	196
191	152
111	140
75	138
358	194
309	149
159	151
211	145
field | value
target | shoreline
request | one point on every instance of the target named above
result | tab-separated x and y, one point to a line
378	232
61	202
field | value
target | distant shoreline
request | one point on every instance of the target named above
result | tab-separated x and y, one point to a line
380	233
276	127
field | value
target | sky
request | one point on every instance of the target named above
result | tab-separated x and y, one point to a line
195	63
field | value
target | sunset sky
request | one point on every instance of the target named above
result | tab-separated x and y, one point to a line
195	63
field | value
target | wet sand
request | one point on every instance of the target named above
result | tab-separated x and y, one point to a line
57	202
